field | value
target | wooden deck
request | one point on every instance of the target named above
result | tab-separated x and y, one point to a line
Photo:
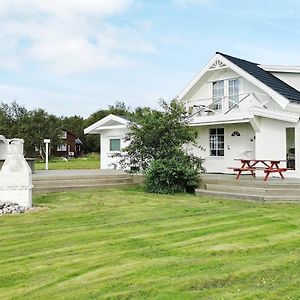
66	180
249	188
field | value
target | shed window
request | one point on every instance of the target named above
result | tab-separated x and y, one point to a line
114	144
216	142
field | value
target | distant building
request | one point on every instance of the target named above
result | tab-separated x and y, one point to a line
71	145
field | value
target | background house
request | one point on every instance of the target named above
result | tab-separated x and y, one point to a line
71	145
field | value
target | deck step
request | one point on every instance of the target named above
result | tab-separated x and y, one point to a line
82	181
63	188
261	190
43	183
247	196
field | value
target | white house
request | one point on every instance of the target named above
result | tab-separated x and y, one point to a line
241	109
112	130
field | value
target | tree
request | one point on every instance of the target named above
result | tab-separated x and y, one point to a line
42	125
32	126
156	147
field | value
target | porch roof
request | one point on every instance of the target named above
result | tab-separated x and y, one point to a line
244	117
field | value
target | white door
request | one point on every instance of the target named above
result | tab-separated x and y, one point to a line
240	144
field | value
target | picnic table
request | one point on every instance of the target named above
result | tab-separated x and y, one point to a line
267	165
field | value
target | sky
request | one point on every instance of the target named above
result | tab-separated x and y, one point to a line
74	57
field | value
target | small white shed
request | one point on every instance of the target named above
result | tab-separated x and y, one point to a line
112	130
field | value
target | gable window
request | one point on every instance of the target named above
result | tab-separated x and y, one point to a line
115	145
233	92
64	134
218	94
216	141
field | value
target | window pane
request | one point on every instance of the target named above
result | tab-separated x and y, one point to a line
234	90
220	152
218	93
216	142
115	145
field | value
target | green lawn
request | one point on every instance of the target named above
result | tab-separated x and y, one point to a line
72	164
125	244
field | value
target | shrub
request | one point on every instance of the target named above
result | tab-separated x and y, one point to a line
173	175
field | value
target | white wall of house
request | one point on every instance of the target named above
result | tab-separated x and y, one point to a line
201	93
235	147
106	155
271	142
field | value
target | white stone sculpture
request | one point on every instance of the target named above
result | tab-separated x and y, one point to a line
15	174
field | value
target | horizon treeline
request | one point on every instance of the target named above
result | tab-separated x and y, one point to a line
16	121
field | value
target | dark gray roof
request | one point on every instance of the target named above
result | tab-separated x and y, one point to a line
265	77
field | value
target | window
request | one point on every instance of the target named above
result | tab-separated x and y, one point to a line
233	92
216	141
114	145
218	93
64	134
290	148
235	133
61	148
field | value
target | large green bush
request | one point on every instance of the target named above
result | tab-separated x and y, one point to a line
173	175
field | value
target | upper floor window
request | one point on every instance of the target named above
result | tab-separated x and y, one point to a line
230	89
233	92
64	134
218	94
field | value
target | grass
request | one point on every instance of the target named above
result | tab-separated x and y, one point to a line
125	244
87	162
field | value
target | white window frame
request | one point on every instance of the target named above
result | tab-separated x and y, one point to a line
64	134
217	142
114	138
233	93
217	94
227	95
61	148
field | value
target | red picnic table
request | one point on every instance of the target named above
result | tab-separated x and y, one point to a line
267	165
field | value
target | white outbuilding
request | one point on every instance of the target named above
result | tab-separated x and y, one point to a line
112	130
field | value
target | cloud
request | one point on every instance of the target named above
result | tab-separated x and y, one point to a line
70	36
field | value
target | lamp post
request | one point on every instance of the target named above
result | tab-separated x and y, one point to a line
47	142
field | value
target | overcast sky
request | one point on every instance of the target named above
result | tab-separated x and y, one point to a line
77	56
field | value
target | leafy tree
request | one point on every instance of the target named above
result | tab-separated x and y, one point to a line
42	125
157	135
32	126
156	147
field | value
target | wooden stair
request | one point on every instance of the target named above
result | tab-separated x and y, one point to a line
46	184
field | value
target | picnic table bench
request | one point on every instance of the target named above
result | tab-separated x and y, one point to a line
268	166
